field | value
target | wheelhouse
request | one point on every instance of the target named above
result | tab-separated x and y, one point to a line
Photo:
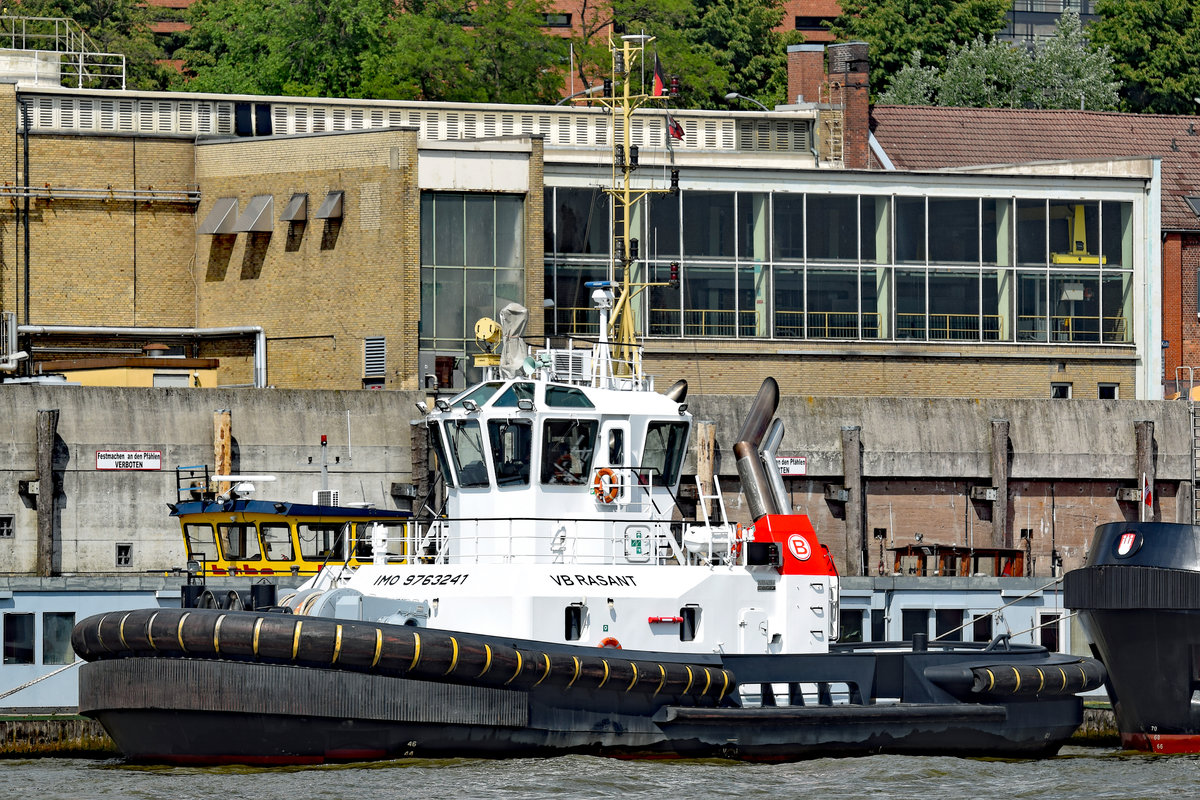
257	537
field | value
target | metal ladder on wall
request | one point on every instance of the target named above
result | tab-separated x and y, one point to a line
831	94
1185	376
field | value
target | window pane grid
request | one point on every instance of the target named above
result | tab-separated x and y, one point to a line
792	266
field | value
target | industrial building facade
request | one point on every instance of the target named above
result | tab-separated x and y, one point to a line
354	244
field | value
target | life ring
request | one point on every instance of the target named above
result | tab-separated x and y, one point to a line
609	641
736	544
609	494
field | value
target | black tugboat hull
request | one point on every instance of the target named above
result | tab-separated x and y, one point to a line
208	686
1139	600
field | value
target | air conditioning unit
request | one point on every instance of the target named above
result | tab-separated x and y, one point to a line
573	366
326	497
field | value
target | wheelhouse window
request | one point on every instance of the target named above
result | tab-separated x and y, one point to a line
567	449
466	447
480	394
321	541
439	451
567	397
201	542
513	395
239	541
663	452
277	541
512	450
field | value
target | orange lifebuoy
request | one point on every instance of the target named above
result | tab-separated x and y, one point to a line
610	642
609	494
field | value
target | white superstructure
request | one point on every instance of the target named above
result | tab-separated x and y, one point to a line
561	525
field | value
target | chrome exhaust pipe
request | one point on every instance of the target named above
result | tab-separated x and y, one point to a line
760	494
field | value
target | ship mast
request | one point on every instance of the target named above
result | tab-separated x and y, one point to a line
624	95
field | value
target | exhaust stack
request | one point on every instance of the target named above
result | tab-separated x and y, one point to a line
756	485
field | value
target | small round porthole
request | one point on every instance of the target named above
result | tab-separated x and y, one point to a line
1127	544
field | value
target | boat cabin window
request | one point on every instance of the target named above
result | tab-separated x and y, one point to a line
512	450
396	540
18	638
616	446
239	541
913	620
981	628
277	541
321	540
567	397
480	394
466	446
439	449
510	396
948	624
851	628
1048	623
56	637
201	542
666	443
567	448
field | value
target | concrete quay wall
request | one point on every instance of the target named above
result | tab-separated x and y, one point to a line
879	471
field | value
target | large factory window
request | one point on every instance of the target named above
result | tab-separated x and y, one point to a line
784	265
472	264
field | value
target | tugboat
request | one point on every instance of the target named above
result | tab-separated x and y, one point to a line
1138	597
560	604
561	601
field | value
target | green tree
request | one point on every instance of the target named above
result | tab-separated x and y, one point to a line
1070	72
459	50
748	53
895	29
1060	72
1155	45
114	26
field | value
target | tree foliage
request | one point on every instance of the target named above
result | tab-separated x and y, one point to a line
458	50
1156	48
1062	71
896	29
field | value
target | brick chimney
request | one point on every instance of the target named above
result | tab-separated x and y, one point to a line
849	66
806	72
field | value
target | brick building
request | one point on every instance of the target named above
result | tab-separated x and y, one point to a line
974	136
341	244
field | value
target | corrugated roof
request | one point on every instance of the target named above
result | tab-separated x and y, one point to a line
924	137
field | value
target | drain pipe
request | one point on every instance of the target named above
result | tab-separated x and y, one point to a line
260	338
9	364
8	338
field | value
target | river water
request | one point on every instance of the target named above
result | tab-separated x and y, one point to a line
1085	773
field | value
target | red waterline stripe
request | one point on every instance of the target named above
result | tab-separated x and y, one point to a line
1162	742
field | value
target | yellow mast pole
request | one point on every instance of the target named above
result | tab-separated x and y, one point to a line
622	327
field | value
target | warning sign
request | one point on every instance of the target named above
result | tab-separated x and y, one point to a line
129	459
792	465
